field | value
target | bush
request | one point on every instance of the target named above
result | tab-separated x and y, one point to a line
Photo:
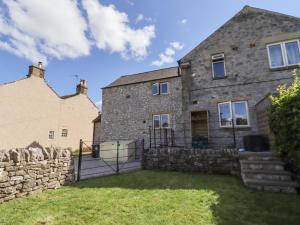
284	120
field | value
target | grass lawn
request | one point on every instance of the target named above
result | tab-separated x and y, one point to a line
154	197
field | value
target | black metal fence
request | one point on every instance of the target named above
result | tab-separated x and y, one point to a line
100	159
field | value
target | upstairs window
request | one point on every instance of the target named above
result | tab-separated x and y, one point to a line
284	54
51	134
155	89
64	133
161	121
236	111
218	65
164	88
160	88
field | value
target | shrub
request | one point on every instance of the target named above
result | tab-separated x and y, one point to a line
284	120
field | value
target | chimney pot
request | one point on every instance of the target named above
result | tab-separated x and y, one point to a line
82	87
36	70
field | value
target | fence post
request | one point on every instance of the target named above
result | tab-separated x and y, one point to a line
150	136
142	154
166	137
79	160
118	144
160	137
233	133
154	133
172	137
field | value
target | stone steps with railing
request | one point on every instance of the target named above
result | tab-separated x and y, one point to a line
265	172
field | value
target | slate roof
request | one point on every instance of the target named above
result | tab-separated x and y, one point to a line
145	76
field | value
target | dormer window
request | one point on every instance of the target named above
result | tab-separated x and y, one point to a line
160	88
218	65
284	54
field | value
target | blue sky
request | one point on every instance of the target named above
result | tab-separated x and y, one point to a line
99	42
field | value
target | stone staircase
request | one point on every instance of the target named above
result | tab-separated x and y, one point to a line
265	172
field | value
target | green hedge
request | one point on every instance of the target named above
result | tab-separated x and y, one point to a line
284	120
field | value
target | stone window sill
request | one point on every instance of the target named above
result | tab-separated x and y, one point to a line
219	78
284	68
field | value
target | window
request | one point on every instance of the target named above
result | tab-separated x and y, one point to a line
218	66
284	54
155	89
156	121
236	111
160	88
51	134
161	121
64	133
164	88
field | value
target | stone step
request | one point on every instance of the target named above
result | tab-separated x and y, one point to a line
262	156
275	186
262	165
276	175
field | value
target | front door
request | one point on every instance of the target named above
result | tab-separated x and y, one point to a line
200	131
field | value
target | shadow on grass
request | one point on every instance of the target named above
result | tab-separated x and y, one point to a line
235	204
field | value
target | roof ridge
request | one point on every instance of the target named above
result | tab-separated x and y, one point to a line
149	71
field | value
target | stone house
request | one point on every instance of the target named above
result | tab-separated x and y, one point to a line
133	103
218	84
31	111
231	71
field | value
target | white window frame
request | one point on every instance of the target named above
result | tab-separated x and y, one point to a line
212	65
168	115
247	113
154	115
160	89
158	86
230	107
283	53
232	114
160	121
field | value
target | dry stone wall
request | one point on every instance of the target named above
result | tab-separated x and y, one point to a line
28	171
192	160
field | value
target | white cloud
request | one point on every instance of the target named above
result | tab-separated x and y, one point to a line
39	30
167	56
110	29
48	30
99	105
140	17
183	21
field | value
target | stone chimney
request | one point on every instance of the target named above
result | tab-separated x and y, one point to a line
82	87
36	70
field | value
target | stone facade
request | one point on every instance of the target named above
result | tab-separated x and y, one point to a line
192	160
127	110
243	40
28	171
30	109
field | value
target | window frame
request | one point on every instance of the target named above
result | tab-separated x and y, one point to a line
283	53
51	135
212	66
230	107
232	114
64	134
160	88
161	125
160	120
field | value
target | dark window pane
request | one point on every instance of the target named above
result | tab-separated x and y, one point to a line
240	113
156	121
165	121
219	69
164	88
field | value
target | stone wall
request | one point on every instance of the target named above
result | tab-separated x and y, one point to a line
33	170
192	160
